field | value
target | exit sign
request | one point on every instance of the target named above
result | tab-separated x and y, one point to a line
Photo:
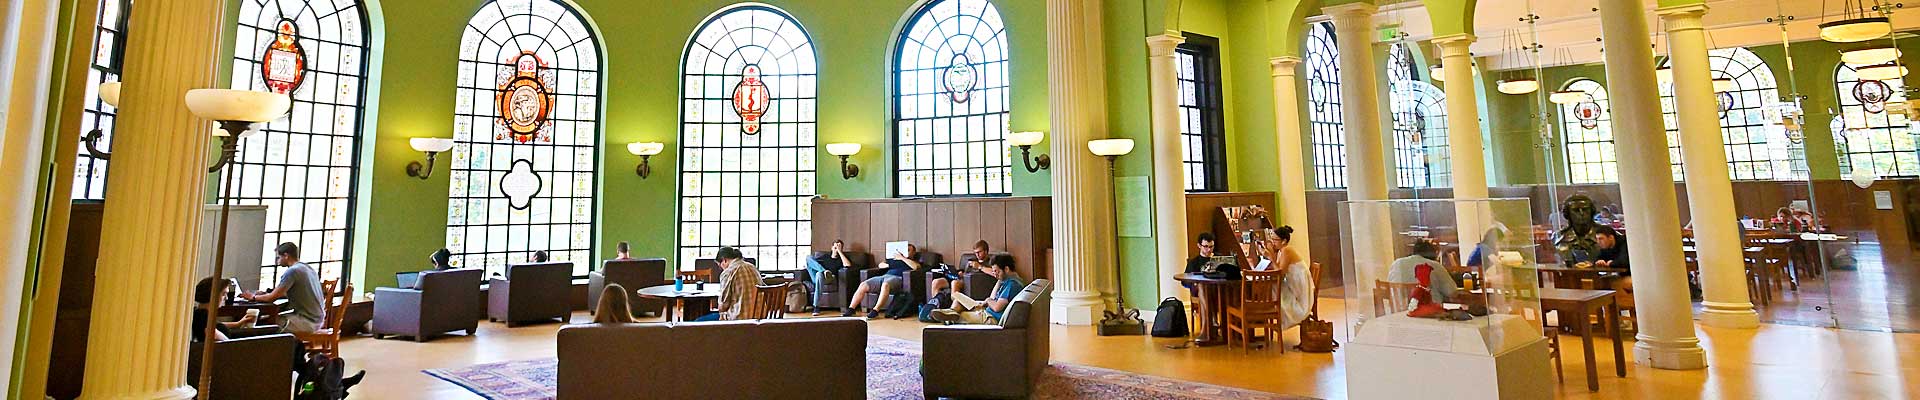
1390	33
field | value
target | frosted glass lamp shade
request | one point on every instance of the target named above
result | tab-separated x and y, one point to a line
1869	55
843	149
645	148
1110	147
110	93
1855	30
1882	72
1437	73
431	145
1568	96
1519	86
1028	138
237	105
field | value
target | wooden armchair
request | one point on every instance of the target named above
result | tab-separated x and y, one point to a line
769	302
1258	307
326	340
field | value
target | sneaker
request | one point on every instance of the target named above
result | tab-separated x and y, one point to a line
847	312
871	314
945	316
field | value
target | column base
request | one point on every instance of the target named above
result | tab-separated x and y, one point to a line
183	392
1730	315
1077	308
1684	354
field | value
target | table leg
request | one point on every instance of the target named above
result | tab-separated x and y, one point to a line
1586	346
1613	325
667	314
1206	336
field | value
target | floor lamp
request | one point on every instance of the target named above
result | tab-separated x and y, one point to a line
1125	320
236	111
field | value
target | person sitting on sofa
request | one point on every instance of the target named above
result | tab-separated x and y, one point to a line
300	285
623	251
898	265
613	307
738	281
201	295
540	257
966	310
819	267
953	277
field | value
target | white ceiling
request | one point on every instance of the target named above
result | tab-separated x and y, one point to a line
1569	30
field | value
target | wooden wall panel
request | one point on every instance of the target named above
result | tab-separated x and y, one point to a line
1021	226
1203	215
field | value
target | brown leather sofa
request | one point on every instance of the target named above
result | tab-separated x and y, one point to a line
955	356
633	275
530	292
437	307
817	358
253	368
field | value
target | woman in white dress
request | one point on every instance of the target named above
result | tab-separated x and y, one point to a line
1296	282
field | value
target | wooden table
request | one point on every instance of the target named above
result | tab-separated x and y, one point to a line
1214	294
269	312
693	301
1557	272
1575	305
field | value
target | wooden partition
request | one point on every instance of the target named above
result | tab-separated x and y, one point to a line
1022	226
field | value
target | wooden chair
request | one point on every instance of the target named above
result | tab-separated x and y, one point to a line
698	275
1389	297
1552	331
326	340
1257	307
769	302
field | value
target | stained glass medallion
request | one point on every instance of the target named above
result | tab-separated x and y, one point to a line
284	63
525	99
750	99
960	78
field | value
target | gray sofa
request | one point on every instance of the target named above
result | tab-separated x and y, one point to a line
819	358
439	306
251	368
1016	350
531	292
633	275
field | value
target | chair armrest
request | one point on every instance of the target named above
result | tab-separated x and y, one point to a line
869	273
394	308
252	331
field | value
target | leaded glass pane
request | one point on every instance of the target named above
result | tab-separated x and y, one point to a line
1756	148
951	102
109	40
1323	108
1589	135
1866	135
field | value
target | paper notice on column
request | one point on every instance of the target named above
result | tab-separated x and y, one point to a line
1134	215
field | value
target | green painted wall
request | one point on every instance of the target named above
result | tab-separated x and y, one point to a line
1128	116
405	218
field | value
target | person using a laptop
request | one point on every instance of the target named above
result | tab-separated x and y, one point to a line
966	310
1198	264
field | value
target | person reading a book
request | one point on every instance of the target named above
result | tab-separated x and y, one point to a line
966	310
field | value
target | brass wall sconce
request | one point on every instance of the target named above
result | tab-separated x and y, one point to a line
1026	140
844	150
645	150
431	146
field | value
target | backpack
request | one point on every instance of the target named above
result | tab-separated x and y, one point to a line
941	300
1170	320
797	296
902	305
319	378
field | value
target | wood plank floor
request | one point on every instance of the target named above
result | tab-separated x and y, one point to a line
1773	362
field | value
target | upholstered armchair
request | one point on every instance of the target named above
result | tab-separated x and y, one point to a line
440	305
530	292
633	275
915	286
835	288
979	285
1016	350
252	368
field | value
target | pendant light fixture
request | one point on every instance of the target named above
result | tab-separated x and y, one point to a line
1881	72
1519	85
1568	96
1857	25
1869	55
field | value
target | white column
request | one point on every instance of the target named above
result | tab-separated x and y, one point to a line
1169	179
26	45
1082	194
1465	152
1367	175
1666	338
1291	160
138	345
1716	229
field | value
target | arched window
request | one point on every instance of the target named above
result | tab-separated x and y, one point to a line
1588	135
1323	112
1873	138
950	101
526	137
1203	143
747	138
1756	147
1420	134
304	167
109	42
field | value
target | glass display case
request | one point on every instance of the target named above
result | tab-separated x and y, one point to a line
1443	275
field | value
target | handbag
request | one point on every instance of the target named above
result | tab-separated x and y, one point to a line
1170	319
1316	335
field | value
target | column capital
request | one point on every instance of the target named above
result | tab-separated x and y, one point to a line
1350	10
1162	45
1682	17
1450	44
1283	65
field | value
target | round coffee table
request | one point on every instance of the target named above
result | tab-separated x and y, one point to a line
693	301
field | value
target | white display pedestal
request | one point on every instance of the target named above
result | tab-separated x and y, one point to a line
1396	357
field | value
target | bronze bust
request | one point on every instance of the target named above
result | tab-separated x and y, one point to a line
1575	242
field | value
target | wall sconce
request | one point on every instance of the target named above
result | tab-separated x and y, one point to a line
1026	140
1110	148
110	94
236	111
431	146
844	150
645	150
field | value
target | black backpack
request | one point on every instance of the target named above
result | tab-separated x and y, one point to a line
323	373
1170	320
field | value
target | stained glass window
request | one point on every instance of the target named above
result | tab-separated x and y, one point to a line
526	137
1202	127
950	102
1588	135
303	167
1873	137
1420	134
109	42
747	138
1323	108
1757	147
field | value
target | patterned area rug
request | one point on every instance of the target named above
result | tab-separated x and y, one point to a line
893	367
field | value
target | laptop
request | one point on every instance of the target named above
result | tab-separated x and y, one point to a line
409	280
1214	263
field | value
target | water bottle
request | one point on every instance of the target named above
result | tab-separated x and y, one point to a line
306	388
678	285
